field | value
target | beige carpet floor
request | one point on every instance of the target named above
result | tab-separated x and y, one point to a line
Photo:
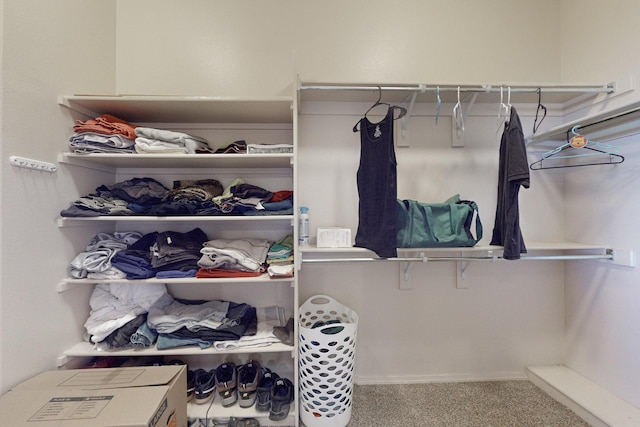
463	404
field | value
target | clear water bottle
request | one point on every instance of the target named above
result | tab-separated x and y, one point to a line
303	226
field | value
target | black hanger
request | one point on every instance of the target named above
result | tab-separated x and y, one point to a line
402	110
536	125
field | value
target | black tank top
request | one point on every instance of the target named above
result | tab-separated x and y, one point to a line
377	187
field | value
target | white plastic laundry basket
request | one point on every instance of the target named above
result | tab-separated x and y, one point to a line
327	346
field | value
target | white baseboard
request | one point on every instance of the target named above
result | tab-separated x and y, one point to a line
595	405
446	378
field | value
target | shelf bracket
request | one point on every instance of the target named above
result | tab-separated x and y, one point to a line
62	360
65	286
622	257
461	269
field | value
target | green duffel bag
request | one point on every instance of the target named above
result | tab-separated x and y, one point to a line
437	225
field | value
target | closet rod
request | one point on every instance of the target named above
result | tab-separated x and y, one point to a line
610	88
608	256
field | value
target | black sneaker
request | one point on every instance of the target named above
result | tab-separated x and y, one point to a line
227	383
191	384
204	385
263	392
243	422
281	398
249	376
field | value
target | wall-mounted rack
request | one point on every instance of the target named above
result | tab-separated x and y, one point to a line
312	91
608	256
462	257
537	252
23	162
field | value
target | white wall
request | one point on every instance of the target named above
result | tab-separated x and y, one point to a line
48	50
247	48
602	204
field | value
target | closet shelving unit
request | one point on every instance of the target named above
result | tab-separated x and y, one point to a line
406	95
270	120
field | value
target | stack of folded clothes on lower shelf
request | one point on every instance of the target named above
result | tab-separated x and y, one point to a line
233	258
172	254
280	258
132	256
147	196
95	262
131	315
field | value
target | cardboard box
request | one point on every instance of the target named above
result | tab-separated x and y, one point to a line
147	396
333	237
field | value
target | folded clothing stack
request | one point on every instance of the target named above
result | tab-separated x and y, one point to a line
104	134
244	257
280	258
95	262
142	314
162	141
235	147
147	196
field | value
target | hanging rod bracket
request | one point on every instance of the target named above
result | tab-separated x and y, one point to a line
622	257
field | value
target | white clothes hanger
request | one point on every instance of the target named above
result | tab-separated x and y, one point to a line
579	146
438	103
457	114
503	109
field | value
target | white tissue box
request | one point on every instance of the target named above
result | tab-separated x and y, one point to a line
333	237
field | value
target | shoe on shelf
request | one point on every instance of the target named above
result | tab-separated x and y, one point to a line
263	391
249	375
281	398
191	384
204	385
227	383
243	422
195	422
218	422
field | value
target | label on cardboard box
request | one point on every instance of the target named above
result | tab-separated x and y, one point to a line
71	408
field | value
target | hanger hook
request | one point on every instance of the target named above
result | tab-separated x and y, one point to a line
457	115
438	103
539	96
536	124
